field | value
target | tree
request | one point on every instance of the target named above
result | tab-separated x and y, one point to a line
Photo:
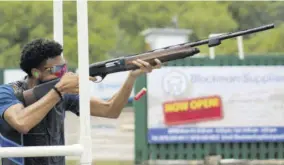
115	27
134	17
253	14
20	25
267	42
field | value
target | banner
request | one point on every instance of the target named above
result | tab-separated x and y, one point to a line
216	104
11	75
110	85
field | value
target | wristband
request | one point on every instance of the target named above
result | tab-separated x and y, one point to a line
57	91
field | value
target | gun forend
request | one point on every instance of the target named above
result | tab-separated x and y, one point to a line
101	69
164	55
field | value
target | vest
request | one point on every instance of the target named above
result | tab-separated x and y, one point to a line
50	131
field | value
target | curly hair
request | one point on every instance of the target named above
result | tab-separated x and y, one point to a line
36	52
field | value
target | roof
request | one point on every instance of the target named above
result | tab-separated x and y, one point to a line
166	31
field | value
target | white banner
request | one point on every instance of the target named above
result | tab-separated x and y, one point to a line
110	85
11	75
216	104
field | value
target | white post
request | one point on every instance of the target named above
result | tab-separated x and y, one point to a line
212	49
58	21
41	151
84	148
83	70
212	52
240	47
239	43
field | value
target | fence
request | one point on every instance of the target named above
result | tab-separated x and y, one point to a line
197	151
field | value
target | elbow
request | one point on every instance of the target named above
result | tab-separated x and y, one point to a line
23	128
105	109
112	112
113	115
23	131
19	125
16	122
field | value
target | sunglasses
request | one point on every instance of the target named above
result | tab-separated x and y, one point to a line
58	70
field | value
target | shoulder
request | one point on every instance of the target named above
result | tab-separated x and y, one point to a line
6	90
7	93
7	98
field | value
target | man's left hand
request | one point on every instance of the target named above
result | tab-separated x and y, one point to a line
145	67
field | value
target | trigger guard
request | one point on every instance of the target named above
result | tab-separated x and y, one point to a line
100	79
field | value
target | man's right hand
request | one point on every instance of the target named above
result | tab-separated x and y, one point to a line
69	83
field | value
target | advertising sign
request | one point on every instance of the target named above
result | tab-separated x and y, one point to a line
110	85
216	104
11	75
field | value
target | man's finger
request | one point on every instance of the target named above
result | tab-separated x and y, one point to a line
147	66
92	78
159	63
139	65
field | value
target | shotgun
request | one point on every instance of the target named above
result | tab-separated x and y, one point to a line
170	53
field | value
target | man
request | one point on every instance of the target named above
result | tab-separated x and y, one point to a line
42	123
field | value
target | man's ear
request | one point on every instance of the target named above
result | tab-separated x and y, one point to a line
35	73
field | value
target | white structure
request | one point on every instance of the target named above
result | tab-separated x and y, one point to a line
239	42
83	149
163	37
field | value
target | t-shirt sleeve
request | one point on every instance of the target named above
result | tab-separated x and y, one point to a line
7	98
72	103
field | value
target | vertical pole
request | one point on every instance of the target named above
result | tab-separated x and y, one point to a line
58	21
212	52
83	67
212	49
241	47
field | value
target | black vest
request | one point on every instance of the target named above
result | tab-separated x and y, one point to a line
50	131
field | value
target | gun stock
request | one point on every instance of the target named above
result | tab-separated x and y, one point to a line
30	96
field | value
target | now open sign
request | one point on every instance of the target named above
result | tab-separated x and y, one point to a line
192	110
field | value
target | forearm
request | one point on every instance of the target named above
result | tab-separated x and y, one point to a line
120	99
30	116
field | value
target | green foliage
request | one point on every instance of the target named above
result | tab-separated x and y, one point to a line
115	27
267	41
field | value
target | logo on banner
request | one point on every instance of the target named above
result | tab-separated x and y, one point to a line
175	83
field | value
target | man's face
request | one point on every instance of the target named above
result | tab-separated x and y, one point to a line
52	69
